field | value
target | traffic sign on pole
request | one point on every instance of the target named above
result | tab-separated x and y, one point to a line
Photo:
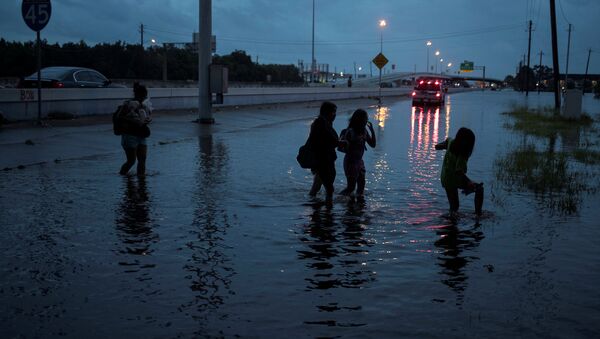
380	60
36	13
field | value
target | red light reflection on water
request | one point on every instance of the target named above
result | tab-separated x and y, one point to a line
424	160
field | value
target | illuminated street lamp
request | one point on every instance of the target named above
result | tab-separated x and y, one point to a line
448	69
437	53
382	24
428	44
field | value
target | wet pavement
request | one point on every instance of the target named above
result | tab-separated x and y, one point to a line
220	239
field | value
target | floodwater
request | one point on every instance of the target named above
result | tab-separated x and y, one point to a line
221	240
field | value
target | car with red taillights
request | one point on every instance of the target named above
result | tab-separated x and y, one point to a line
67	77
428	91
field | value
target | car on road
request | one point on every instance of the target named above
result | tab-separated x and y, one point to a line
68	77
429	91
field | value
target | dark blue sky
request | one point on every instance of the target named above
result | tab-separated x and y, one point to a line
491	33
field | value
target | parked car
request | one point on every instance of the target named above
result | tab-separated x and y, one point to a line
429	91
68	77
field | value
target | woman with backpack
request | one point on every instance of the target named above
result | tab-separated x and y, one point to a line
323	140
356	137
134	117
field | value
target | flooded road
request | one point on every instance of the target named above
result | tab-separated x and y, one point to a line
221	238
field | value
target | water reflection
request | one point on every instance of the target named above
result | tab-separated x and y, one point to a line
381	114
453	244
133	221
337	252
209	267
423	160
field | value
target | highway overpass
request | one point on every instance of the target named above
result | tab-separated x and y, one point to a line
398	77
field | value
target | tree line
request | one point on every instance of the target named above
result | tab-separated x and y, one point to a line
120	60
542	76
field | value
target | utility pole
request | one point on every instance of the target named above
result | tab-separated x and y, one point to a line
555	55
312	60
483	69
586	69
205	115
355	70
142	35
164	69
540	73
39	76
520	75
568	50
528	60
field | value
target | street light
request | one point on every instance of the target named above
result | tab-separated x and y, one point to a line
437	53
428	44
382	24
441	67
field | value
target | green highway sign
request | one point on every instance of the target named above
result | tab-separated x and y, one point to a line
466	66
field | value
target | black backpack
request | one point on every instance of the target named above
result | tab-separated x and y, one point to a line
118	123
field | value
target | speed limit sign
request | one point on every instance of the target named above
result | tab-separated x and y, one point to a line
36	13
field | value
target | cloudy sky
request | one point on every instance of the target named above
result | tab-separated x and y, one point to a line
489	32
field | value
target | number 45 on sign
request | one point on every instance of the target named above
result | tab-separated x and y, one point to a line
36	13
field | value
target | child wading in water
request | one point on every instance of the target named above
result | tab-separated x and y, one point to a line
454	169
356	136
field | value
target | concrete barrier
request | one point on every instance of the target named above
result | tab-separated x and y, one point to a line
21	104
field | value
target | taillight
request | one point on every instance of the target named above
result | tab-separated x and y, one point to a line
437	94
414	93
57	84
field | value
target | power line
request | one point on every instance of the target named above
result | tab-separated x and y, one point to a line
437	36
167	32
563	12
538	12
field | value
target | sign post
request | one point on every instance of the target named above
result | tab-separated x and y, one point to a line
36	14
380	60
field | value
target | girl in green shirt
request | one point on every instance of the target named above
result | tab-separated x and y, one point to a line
454	169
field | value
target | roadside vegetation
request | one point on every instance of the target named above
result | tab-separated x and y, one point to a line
120	60
557	176
545	123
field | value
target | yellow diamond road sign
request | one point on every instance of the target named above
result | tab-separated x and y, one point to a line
380	60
